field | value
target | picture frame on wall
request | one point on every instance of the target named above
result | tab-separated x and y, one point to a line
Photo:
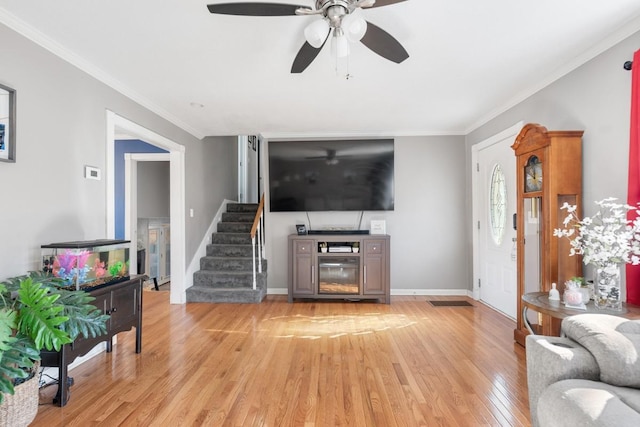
7	124
253	142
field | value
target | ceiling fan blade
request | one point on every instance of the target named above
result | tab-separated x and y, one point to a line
380	3
305	56
255	9
383	43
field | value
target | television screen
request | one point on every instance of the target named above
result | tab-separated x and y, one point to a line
331	175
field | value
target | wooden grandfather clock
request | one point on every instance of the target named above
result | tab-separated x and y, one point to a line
549	173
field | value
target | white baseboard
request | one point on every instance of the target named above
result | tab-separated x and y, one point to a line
401	292
277	291
432	292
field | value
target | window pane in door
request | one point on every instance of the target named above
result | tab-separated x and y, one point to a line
497	204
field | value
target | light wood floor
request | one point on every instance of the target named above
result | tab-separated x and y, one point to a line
303	364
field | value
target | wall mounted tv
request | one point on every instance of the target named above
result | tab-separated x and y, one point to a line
331	175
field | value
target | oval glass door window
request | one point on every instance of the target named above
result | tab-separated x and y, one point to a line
497	204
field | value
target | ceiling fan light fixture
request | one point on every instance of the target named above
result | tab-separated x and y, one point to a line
339	43
316	32
354	26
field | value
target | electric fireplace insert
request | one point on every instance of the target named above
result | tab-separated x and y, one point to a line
339	275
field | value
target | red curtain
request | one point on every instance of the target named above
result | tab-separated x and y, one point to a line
633	191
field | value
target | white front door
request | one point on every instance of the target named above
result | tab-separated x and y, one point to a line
494	206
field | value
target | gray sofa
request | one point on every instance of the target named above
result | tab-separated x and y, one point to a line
589	377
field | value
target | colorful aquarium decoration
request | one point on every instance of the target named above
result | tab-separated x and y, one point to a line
87	264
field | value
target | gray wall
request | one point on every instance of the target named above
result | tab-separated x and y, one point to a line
61	127
153	189
595	98
427	227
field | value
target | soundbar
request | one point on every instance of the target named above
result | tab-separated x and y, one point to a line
338	232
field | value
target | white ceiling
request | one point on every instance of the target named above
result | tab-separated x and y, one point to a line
469	60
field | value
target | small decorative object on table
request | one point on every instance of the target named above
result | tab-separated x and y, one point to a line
355	247
554	295
607	240
572	296
581	285
323	247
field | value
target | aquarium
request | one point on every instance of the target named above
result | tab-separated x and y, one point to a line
88	264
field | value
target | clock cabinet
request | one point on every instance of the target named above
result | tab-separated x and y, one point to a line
549	174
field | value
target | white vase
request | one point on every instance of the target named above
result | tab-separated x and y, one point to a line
607	288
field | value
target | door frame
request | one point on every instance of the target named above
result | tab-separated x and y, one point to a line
118	124
242	168
476	188
131	192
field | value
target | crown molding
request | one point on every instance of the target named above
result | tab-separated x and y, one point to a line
65	54
631	27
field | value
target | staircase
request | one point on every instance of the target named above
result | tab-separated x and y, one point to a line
226	272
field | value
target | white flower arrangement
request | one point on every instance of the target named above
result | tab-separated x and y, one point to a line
607	238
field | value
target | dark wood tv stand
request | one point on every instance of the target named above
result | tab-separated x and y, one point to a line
123	302
371	264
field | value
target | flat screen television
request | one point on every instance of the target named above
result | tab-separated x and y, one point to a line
331	175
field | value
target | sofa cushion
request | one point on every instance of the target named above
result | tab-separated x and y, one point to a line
573	403
614	342
581	403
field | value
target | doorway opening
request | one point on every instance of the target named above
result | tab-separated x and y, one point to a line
116	125
249	169
148	181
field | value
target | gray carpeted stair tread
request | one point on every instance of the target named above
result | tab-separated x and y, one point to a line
245	295
242	207
231	238
238	217
222	263
219	249
234	227
228	279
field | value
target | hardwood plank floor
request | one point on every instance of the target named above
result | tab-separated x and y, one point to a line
303	364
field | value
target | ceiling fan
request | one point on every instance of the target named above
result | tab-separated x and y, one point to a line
330	158
340	18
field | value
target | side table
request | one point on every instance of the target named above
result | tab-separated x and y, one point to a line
539	302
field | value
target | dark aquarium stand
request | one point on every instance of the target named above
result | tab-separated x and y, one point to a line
101	268
123	302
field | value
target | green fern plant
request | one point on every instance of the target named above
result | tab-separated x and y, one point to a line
36	314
